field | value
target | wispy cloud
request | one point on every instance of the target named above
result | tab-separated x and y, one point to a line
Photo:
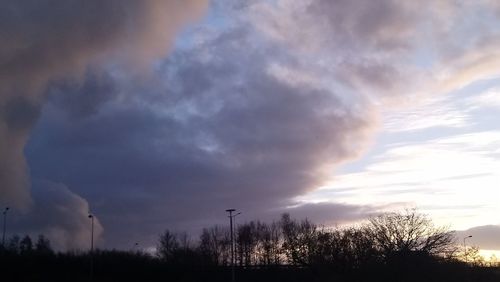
433	112
436	175
488	99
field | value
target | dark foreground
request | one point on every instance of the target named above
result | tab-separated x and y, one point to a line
402	247
123	266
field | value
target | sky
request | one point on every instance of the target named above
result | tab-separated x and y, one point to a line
162	114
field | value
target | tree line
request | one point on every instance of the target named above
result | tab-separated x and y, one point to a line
302	243
387	247
26	246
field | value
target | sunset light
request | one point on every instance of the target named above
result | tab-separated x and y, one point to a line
133	126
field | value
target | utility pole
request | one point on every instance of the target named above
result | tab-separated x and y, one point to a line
4	225
465	248
231	216
91	276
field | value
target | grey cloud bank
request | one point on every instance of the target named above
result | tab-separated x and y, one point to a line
44	41
484	237
59	214
47	40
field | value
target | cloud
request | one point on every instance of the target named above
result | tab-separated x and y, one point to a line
88	94
59	214
480	62
47	40
488	99
383	25
438	112
256	109
438	175
485	237
363	47
245	138
231	124
332	214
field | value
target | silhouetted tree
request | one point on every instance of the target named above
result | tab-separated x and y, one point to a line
298	240
343	249
184	241
362	248
209	255
42	245
13	245
408	232
267	248
493	261
25	245
246	241
215	245
271	243
185	254
167	246
390	247
472	256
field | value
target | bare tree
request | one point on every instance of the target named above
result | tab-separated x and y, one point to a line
26	245
247	240
299	240
409	231
167	246
13	245
268	243
215	245
42	245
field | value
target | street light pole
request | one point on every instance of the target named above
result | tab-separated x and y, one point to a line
91	233
231	216
465	248
235	227
91	247
135	247
4	225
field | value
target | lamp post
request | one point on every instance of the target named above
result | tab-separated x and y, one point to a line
231	216
4	225
91	233
91	275
465	247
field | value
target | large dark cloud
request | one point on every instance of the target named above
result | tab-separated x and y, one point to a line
249	114
59	214
246	140
220	130
47	40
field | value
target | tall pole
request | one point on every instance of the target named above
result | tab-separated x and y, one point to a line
235	227
230	211
91	233
4	225
465	248
91	276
